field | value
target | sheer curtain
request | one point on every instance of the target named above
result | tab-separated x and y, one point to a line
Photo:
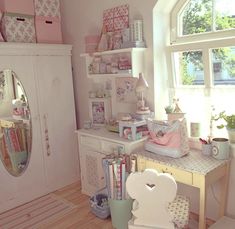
197	104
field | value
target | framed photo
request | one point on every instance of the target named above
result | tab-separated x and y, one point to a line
99	110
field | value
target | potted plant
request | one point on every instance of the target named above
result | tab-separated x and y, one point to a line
230	124
173	111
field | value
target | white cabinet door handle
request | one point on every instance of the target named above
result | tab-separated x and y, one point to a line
46	135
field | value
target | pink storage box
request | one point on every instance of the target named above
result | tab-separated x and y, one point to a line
17	6
91	42
48	30
18	28
47	8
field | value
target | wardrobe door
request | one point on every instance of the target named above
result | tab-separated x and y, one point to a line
16	190
57	115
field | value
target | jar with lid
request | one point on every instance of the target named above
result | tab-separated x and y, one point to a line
103	67
96	65
108	68
114	64
114	68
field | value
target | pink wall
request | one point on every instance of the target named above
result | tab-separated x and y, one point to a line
81	18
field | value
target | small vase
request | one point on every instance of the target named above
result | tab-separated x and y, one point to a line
231	135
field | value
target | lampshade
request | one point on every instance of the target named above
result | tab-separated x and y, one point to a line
141	84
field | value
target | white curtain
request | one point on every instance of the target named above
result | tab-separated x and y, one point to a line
197	104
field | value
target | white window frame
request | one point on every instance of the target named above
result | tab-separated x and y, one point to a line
202	42
177	38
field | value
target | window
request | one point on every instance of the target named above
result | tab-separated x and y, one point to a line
201	54
223	60
201	16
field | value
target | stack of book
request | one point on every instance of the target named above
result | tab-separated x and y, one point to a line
116	170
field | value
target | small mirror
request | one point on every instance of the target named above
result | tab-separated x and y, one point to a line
15	124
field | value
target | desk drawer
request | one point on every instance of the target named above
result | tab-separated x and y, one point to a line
179	175
109	147
90	142
141	164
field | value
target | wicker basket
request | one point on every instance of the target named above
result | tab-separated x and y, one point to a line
99	205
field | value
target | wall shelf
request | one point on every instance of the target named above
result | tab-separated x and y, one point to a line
97	63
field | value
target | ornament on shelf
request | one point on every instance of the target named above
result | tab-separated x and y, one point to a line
174	111
103	43
176	105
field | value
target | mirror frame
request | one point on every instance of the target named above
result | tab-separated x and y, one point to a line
20	120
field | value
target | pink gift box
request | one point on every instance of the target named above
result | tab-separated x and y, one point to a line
18	28
91	42
17	6
116	18
48	30
47	8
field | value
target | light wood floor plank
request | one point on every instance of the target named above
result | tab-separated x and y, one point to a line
81	217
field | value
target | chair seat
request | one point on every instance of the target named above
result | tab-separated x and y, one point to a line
179	208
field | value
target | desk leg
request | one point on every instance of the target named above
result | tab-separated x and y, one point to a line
224	192
202	209
133	132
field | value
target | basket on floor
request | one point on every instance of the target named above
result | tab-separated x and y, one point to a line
99	205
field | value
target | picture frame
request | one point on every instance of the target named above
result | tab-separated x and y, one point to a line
99	110
125	89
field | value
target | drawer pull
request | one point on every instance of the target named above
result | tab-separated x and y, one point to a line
20	19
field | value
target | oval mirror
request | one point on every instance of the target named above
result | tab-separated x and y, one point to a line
15	124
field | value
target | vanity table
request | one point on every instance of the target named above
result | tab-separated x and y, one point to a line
193	169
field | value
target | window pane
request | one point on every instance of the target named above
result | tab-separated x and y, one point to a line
200	16
189	68
223	63
197	17
225	14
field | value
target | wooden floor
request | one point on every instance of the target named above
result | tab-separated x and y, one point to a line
81	217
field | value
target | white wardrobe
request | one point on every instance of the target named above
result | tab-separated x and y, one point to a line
46	75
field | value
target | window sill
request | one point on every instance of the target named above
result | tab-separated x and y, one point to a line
194	143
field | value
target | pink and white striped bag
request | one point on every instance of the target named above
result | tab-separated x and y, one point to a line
168	138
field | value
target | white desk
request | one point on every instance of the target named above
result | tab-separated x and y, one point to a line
193	169
95	144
